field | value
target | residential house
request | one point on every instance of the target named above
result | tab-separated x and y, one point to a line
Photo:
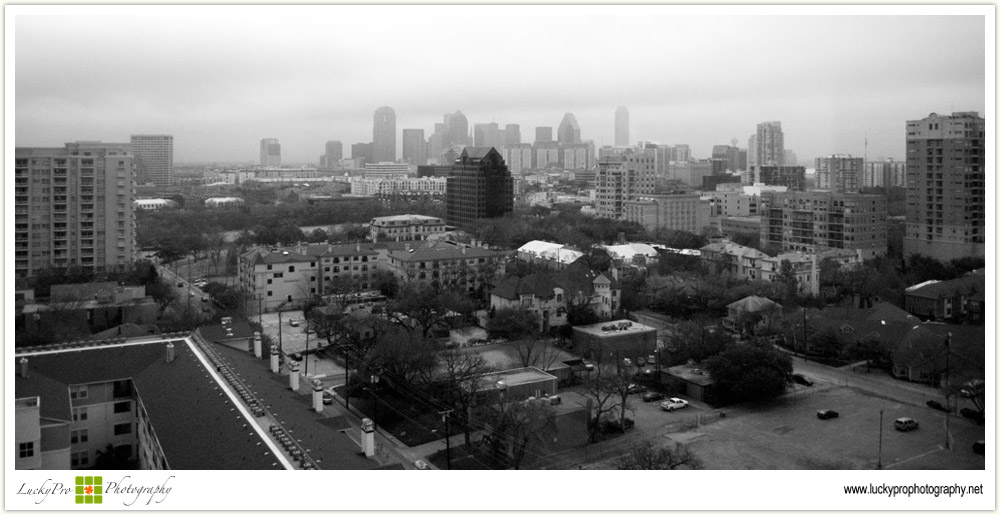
957	299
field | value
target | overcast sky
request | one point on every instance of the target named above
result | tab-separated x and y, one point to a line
220	79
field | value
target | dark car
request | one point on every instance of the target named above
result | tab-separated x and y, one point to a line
652	396
936	405
801	379
636	388
905	424
327	398
826	414
973	414
295	356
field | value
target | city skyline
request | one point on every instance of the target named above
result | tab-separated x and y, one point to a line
828	98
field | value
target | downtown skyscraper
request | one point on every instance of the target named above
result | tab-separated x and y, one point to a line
384	135
621	126
768	144
154	159
270	152
569	130
946	186
414	147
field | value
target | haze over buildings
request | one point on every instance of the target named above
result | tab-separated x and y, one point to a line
209	92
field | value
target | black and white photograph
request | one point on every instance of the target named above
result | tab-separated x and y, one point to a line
743	249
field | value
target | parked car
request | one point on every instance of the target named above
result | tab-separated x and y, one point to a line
588	365
180	284
327	398
204	298
421	465
826	414
801	379
295	356
636	388
674	403
651	359
974	414
652	396
905	424
936	405
294	323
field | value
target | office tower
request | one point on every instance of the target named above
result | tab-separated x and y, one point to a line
621	126
752	151
73	207
363	151
680	153
790	158
414	147
334	154
543	134
794	177
487	135
884	174
458	130
270	152
730	154
449	156
814	221
621	178
384	135
154	159
770	143
945	186
480	187
569	130
512	134
839	172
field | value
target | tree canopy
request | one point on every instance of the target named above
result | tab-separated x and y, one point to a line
750	372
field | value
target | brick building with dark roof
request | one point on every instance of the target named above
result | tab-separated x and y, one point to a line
135	404
957	299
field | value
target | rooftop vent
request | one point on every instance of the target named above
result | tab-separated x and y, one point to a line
23	367
170	352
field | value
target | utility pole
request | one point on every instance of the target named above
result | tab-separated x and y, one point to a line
879	466
947	384
445	415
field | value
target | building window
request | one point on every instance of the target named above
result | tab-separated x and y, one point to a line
78	436
80	459
122	389
269	294
79	414
279	275
123	407
291	269
123	429
268	267
78	392
26	450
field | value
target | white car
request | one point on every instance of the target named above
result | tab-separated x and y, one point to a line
673	403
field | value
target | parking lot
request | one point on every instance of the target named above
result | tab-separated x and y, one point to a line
787	435
293	339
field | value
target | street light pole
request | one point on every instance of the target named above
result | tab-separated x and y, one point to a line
880	439
374	382
445	415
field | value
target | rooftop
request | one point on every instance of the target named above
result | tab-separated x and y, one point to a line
194	422
524	375
614	328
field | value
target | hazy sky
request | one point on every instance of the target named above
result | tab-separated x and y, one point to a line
220	79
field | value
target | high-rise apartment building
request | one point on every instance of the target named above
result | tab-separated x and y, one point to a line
815	221
569	130
480	187
621	126
517	156
384	135
884	174
622	178
769	143
680	152
154	159
73	207
791	159
839	172
414	147
946	186
270	152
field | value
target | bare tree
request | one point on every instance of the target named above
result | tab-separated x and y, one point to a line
465	375
647	456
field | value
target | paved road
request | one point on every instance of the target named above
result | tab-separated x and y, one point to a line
293	339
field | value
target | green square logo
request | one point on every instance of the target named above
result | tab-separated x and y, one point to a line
89	489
